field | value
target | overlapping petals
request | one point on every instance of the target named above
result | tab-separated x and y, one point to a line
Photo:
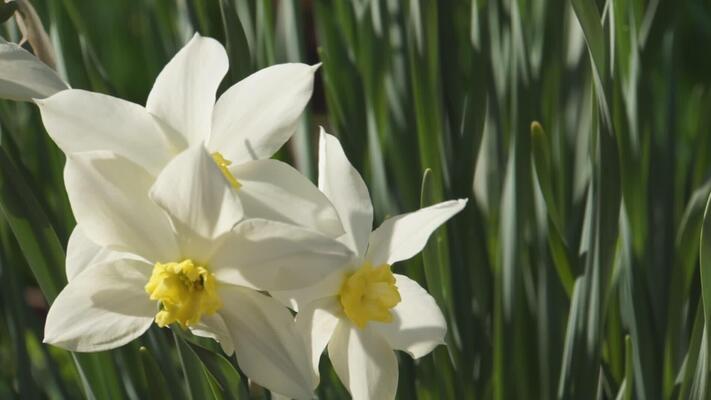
129	222
80	121
199	203
249	122
362	355
109	197
183	218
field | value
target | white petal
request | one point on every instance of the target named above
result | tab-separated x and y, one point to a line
316	322
83	253
275	256
418	325
102	308
268	347
109	198
403	236
326	287
214	327
344	186
257	115
183	95
24	77
79	121
198	199
274	190
364	362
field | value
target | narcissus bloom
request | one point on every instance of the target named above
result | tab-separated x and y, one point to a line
171	250
362	311
248	124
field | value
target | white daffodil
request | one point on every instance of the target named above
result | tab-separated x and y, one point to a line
24	77
168	250
246	126
362	311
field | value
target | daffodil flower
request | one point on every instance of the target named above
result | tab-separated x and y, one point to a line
248	124
171	250
362	311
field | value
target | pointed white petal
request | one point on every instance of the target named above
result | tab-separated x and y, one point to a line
272	189
316	322
102	308
24	77
418	325
198	199
79	121
257	115
214	327
83	253
344	186
268	347
403	236
109	198
276	256
183	95
364	362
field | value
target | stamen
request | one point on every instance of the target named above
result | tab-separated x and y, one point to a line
223	163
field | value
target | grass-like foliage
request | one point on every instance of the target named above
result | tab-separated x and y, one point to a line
580	130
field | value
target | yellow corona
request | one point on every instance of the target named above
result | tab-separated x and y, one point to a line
368	295
185	292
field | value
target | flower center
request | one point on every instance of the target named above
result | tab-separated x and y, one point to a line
185	291
369	294
222	164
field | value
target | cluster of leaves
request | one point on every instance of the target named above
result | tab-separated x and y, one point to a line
575	273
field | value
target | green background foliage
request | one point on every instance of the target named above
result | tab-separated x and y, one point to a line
578	269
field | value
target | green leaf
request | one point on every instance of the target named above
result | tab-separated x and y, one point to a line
31	227
196	378
16	314
692	360
705	272
627	387
157	387
236	42
544	172
562	256
573	340
225	374
590	21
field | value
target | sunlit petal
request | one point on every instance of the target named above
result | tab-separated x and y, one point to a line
183	95
257	115
268	347
345	188
102	308
403	236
